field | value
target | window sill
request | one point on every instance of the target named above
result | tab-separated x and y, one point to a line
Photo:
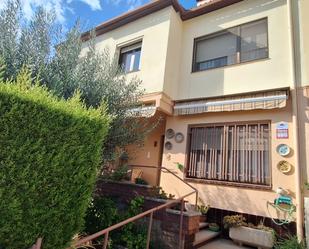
229	184
232	65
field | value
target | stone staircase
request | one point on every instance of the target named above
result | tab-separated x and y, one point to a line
223	244
206	239
204	235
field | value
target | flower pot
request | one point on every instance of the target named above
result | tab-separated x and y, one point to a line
214	227
252	237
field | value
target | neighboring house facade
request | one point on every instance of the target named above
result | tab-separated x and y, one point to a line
223	77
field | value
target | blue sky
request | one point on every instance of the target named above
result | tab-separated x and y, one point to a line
90	12
109	9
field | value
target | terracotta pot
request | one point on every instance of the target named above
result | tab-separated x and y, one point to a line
203	218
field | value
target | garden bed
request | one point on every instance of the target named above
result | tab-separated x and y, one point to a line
166	222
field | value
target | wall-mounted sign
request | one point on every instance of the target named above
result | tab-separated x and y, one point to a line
282	130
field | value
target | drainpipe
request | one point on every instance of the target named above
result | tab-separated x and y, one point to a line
295	120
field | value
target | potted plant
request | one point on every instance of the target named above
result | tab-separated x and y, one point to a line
214	227
240	232
203	209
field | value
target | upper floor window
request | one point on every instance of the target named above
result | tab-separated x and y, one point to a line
130	57
238	152
239	44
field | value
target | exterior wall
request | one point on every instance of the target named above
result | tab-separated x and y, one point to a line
303	91
304	40
303	94
167	51
173	58
244	200
154	32
242	78
166	63
149	154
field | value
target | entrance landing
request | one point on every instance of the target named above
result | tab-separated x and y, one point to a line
223	244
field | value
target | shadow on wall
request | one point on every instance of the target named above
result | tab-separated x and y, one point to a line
260	6
230	198
215	80
304	126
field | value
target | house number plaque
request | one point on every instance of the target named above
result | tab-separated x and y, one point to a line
282	130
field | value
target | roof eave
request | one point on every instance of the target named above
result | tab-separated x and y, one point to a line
154	6
207	8
133	15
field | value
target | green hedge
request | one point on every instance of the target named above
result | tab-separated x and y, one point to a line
50	150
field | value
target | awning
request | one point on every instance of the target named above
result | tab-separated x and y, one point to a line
266	100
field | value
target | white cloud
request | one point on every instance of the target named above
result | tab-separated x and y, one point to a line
29	6
132	4
2	4
94	4
60	7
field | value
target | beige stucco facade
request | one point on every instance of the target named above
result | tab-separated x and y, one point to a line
304	40
166	73
154	47
237	78
252	201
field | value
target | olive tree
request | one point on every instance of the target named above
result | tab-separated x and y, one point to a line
56	59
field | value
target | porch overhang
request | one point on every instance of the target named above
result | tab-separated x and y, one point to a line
257	101
160	101
143	111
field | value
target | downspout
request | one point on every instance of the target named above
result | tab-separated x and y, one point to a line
295	120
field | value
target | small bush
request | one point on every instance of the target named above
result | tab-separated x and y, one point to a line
101	213
234	221
141	181
50	151
121	173
158	192
290	243
104	212
203	209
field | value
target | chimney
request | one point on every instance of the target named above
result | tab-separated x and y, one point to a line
201	2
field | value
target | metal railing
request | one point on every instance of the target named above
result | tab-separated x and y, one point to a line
172	173
106	232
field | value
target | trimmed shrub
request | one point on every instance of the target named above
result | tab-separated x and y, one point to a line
50	151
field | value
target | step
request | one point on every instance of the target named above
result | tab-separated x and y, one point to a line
203	225
222	244
204	236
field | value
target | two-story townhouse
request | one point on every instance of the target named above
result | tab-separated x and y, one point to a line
224	77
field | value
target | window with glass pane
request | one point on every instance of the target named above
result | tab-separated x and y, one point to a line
235	45
130	57
232	152
254	41
217	51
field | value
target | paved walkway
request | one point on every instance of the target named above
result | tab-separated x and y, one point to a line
223	244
